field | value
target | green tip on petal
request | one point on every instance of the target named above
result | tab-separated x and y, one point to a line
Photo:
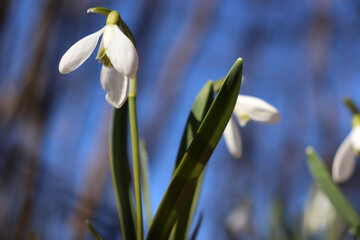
99	10
113	18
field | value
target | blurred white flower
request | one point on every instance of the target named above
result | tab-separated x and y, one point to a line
247	108
319	213
238	222
116	51
345	157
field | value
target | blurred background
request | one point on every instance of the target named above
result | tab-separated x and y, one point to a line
300	56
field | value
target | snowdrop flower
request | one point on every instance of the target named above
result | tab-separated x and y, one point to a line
238	222
116	51
345	156
319	214
247	108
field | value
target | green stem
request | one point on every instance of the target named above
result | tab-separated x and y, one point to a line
136	156
351	105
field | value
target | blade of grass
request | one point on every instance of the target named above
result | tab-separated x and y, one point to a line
325	184
93	231
120	172
197	155
145	180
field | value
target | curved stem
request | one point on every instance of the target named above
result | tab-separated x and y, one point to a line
136	156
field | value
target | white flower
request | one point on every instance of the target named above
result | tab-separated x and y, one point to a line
238	222
116	51
345	156
319	214
247	108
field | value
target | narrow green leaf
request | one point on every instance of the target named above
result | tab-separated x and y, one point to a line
197	228
183	224
196	156
218	83
325	184
99	10
93	231
145	180
197	114
120	172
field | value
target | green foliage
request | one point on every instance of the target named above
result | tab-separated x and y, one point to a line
197	114
145	180
93	231
120	172
99	10
338	200
197	155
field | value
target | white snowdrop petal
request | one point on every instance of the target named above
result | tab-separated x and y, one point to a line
106	74
256	109
355	138
109	34
233	138
79	52
344	161
122	54
116	84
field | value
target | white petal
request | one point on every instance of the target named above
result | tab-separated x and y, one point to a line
355	138
233	138
122	54
116	84
344	161
109	34
79	52
256	109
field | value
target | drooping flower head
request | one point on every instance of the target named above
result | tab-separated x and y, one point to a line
247	108
117	53
345	157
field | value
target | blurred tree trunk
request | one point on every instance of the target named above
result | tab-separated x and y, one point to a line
27	116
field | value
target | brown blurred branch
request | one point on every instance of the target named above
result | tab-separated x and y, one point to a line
93	183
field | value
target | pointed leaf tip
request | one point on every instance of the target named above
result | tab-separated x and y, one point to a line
99	10
309	150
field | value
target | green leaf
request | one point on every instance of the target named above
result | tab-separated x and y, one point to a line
198	111
197	114
145	180
120	172
197	228
196	156
325	184
99	10
93	231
